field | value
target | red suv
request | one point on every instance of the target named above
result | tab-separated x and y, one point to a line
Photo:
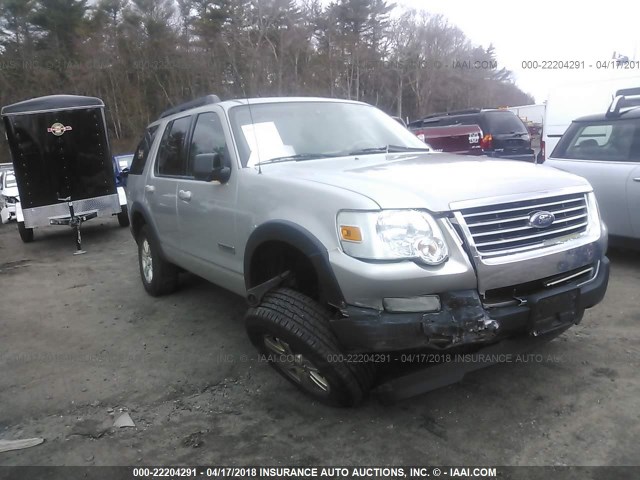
503	134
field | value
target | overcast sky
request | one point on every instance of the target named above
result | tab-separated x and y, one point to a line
546	30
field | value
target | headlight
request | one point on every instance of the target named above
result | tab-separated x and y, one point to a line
392	235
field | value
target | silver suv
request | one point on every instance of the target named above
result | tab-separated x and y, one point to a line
353	243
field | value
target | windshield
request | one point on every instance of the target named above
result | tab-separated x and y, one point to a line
11	180
614	140
310	130
505	122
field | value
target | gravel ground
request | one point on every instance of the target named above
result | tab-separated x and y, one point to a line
81	343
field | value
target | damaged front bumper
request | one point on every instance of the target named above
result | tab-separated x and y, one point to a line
464	319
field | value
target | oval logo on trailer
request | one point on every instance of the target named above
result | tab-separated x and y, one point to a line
541	219
58	129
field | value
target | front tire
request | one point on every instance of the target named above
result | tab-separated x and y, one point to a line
292	331
123	217
26	234
159	277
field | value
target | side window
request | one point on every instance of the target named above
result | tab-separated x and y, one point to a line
208	137
171	159
467	120
617	141
142	151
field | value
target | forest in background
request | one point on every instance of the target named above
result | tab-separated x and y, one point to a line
143	56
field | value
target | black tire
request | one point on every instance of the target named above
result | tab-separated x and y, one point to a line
26	234
123	217
163	278
302	324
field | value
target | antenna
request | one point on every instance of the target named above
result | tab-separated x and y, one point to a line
255	137
244	94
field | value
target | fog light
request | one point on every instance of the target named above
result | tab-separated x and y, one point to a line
426	303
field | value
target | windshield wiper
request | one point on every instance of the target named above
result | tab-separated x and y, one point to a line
389	149
298	157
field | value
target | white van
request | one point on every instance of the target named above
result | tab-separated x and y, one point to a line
568	102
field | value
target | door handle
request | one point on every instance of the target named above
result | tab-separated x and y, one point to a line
184	195
149	188
637	179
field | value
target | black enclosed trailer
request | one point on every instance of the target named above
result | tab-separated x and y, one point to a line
62	162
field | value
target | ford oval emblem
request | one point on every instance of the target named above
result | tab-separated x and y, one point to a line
541	219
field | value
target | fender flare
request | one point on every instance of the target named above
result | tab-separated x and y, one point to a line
300	238
138	209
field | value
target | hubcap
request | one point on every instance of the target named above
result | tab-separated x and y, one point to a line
147	261
296	366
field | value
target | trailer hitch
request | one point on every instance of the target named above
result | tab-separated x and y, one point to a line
75	222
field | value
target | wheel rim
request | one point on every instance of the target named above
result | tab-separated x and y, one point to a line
296	366
147	261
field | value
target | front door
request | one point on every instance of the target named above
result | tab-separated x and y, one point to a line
206	209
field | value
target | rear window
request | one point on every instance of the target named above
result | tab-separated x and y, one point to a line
612	140
142	151
503	122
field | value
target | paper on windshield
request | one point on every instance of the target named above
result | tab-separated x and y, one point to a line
265	142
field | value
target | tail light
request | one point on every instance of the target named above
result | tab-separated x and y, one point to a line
543	152
487	142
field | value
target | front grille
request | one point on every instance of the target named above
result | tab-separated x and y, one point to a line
503	229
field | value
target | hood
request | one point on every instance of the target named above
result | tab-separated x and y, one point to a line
428	180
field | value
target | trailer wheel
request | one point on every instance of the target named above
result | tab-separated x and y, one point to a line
123	217
159	277
291	331
26	234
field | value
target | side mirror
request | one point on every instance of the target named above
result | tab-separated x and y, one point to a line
209	166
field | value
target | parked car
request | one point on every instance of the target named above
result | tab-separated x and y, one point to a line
124	161
574	100
605	149
8	196
351	245
503	134
460	139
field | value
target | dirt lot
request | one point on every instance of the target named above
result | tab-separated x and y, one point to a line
81	342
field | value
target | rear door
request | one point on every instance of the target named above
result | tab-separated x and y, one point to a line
161	187
606	153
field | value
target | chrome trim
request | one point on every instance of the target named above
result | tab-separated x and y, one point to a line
526	227
527	237
539	205
483	245
105	205
568	277
595	274
488	201
524	217
545	259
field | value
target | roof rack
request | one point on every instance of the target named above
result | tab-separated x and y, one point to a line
198	102
625	98
628	92
454	112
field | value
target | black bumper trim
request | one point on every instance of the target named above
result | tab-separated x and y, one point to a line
462	321
444	374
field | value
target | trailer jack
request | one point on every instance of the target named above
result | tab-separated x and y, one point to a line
75	222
